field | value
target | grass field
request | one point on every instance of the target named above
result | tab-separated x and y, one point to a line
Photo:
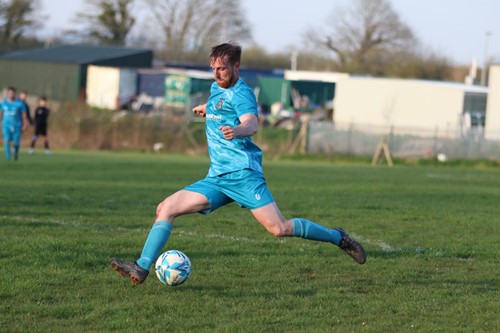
432	236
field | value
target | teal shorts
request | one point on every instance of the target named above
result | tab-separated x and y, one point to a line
11	133
246	187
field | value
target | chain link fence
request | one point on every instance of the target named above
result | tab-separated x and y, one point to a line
362	140
75	126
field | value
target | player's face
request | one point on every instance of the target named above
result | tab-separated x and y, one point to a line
11	94
224	74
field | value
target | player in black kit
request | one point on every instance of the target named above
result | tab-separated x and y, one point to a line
41	117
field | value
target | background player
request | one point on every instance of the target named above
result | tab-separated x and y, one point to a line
235	173
13	118
41	120
23	96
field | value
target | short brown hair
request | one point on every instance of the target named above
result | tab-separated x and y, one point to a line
231	51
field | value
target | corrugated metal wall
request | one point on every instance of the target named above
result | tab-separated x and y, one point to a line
274	90
57	81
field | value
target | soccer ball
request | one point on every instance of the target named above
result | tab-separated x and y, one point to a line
173	268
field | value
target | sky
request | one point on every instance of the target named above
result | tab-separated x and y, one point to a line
461	30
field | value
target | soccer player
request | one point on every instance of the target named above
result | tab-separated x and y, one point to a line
235	173
23	97
13	117
41	116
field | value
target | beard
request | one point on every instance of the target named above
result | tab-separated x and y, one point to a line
225	82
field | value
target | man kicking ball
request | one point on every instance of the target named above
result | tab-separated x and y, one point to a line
235	173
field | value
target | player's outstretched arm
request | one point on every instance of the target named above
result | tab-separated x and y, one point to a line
248	127
200	110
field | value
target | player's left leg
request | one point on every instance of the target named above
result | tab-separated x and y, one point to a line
271	218
17	142
249	189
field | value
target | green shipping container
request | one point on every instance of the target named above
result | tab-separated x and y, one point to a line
179	88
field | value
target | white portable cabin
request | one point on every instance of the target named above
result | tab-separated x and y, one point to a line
110	87
409	104
332	77
492	128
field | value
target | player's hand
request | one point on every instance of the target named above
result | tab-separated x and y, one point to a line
200	110
228	132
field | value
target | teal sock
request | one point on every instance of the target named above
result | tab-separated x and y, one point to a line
16	152
157	238
6	149
310	230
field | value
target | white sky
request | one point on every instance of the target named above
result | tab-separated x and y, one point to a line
455	28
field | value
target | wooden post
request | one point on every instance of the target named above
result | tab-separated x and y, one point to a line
382	147
301	139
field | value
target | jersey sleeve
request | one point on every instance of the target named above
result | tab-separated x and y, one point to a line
245	103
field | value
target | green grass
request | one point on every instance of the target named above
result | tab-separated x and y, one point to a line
431	235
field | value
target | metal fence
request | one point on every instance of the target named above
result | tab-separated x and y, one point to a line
362	140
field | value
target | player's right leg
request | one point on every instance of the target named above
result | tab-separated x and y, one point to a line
180	203
34	139
6	149
7	137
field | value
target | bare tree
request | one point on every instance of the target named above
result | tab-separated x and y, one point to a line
17	19
106	21
190	27
364	34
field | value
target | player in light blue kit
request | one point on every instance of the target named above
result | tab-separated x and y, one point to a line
14	120
235	173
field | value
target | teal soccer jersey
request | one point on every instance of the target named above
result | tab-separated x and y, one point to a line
12	113
224	107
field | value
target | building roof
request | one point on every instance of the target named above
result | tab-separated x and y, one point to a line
466	88
75	54
331	77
